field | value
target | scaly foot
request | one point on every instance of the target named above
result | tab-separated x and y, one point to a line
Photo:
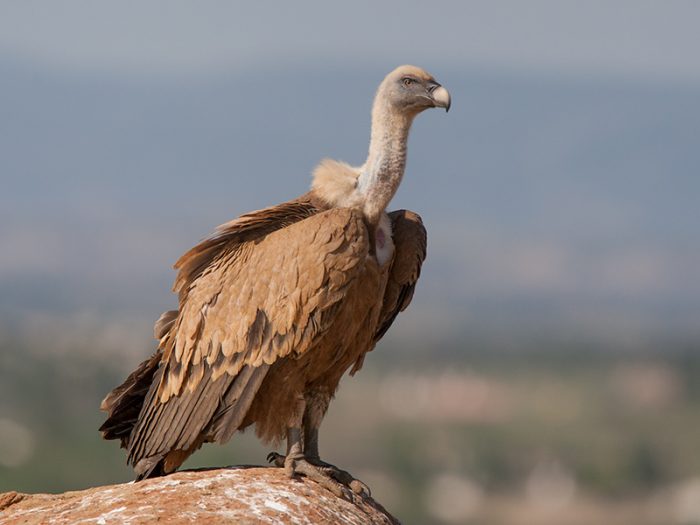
336	480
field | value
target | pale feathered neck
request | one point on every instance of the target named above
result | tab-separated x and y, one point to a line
380	176
372	185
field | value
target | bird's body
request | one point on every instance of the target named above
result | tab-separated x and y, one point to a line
275	307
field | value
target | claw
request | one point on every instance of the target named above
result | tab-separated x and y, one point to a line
360	488
276	459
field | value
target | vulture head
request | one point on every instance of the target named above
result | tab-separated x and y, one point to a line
403	94
410	90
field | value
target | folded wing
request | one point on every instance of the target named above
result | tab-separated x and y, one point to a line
245	302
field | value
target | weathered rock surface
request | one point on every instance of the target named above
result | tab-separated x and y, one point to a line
232	495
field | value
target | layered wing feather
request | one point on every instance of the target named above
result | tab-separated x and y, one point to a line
245	302
262	300
246	228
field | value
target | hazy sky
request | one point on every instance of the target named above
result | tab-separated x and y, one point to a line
650	39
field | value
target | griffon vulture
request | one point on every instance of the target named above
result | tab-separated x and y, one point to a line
278	304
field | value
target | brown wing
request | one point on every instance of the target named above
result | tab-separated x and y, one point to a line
228	236
243	305
410	242
124	403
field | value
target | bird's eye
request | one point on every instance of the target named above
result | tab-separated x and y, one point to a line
407	81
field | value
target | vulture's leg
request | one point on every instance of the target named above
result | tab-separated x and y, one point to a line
296	463
317	402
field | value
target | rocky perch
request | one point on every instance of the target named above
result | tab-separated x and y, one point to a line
238	495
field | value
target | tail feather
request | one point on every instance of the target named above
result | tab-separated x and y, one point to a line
124	403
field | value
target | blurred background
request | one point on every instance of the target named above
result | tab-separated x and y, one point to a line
547	370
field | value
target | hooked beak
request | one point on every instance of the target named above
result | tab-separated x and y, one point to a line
441	98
